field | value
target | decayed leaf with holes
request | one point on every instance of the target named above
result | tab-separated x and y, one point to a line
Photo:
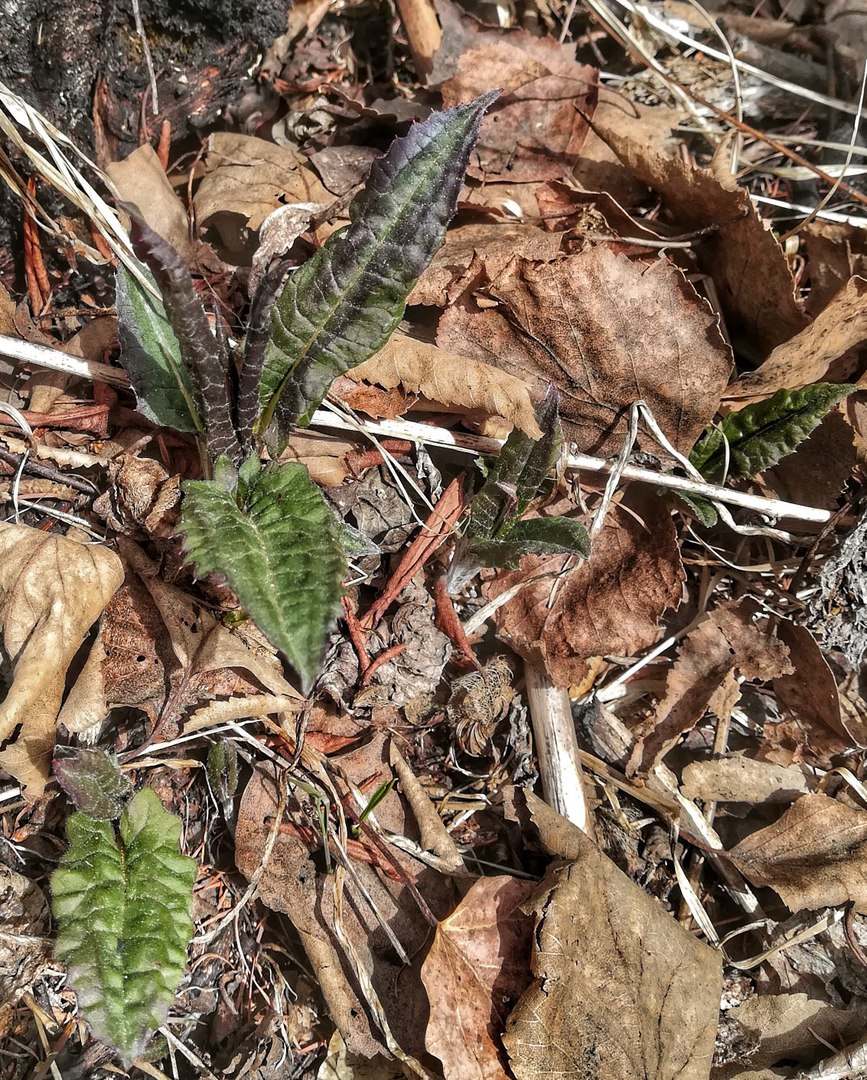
606	331
814	856
52	590
609	604
450	378
620	988
476	969
704	677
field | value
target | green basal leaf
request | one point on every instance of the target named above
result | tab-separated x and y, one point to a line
701	508
151	356
345	302
122	904
539	536
275	542
761	434
92	779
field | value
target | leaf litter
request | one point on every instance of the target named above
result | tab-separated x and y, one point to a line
379	891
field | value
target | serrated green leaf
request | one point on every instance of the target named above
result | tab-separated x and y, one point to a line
549	536
279	552
345	302
122	904
92	779
702	508
761	434
151	356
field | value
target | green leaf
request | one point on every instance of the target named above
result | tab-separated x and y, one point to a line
122	905
343	304
275	542
703	509
151	356
539	536
761	434
92	779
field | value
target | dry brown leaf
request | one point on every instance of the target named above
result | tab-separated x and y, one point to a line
491	245
24	950
141	180
535	131
52	590
610	604
621	989
806	357
476	969
747	264
727	643
247	178
294	882
835	253
815	856
607	332
323	455
819	469
742	778
450	378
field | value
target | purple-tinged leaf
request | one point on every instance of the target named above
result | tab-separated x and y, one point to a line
344	303
93	781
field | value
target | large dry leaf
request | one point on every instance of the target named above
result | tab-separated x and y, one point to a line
52	590
451	379
610	604
726	644
247	178
748	267
489	244
477	968
140	179
815	856
535	131
621	989
607	332
806	357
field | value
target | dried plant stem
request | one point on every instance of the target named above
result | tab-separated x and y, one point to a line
477	444
423	32
848	1063
557	747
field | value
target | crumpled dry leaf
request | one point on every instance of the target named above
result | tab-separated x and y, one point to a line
24	951
606	332
140	179
609	604
601	940
468	248
476	969
248	178
341	1065
450	378
752	278
806	357
535	131
293	882
52	590
835	253
703	677
160	650
814	856
324	456
742	778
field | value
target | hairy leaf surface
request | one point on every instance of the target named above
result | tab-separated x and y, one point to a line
757	437
275	542
122	904
344	303
92	779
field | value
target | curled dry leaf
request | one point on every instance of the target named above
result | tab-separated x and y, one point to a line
620	988
815	856
52	590
704	677
747	264
477	968
609	604
807	357
606	332
452	379
536	131
741	778
140	179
